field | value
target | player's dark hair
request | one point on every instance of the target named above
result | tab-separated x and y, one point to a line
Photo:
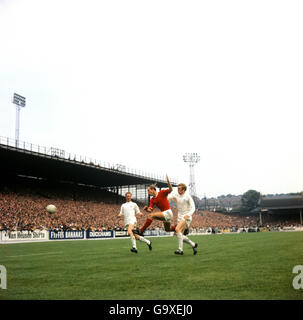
153	186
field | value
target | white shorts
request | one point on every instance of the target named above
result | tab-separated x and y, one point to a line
188	221
131	221
168	215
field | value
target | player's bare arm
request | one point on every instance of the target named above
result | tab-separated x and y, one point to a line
169	184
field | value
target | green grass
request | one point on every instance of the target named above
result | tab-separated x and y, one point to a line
240	266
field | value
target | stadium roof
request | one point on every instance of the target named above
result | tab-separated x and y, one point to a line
280	203
35	161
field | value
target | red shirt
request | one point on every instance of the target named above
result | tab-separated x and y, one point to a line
160	200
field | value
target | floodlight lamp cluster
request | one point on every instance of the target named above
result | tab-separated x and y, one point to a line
19	100
191	157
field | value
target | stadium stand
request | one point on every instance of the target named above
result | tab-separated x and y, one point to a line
83	208
291	207
30	180
78	208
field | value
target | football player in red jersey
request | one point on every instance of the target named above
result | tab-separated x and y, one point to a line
159	198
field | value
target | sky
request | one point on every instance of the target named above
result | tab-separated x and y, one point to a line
141	83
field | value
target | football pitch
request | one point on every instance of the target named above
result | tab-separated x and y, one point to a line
228	266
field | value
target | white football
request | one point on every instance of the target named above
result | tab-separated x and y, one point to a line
51	208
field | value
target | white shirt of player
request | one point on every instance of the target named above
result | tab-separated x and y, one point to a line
185	204
129	211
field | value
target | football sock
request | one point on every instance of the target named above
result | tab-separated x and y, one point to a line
144	240
133	240
180	240
146	224
186	240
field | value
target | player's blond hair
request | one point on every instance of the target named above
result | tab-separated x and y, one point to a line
128	192
183	186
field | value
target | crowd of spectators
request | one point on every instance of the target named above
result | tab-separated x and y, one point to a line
24	212
94	210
